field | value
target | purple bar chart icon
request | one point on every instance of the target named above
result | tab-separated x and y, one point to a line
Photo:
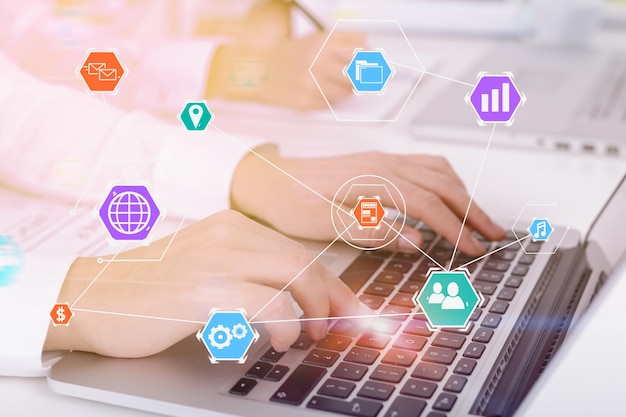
496	98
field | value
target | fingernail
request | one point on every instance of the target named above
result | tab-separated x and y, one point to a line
409	242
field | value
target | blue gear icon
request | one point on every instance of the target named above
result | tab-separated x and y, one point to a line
222	333
239	331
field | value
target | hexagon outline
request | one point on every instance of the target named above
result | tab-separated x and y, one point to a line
208	114
421	70
244	355
484	74
151	222
346	228
433	272
87	53
519	239
392	71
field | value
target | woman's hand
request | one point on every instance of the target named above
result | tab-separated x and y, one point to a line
225	261
432	190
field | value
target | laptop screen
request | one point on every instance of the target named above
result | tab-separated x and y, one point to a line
608	230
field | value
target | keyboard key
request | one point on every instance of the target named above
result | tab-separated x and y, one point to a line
356	407
503	255
389	277
506	294
465	366
487	288
321	357
397	312
436	414
449	340
298	385
490	276
429	371
376	390
411	257
381	290
259	370
373	341
336	388
403	300
428	235
243	386
345	328
424	266
464	331
455	383
349	371
411	287
499	307
406	407
418	276
418	388
520	270
483	335
513	282
491	320
526	259
272	356
533	247
410	342
444	402
399	265
439	355
334	342
500	266
277	373
474	350
399	357
418	327
387	373
303	342
372	301
362	356
363	267
476	314
386	326
486	300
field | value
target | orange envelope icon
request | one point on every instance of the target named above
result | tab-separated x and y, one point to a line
94	67
105	74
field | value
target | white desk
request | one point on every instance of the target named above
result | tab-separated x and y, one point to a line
579	184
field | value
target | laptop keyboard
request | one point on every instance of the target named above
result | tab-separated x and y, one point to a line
398	366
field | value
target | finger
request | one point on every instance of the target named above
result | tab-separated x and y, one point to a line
428	206
456	198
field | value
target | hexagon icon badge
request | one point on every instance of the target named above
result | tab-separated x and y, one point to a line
369	212
540	230
101	71
495	98
227	336
368	71
61	314
448	299
129	212
196	115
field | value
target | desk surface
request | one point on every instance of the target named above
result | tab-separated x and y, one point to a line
579	184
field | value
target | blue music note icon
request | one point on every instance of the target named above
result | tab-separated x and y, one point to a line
540	230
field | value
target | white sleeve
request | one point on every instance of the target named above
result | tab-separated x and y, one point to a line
26	307
41	125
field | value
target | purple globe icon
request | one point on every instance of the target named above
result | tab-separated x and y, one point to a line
129	212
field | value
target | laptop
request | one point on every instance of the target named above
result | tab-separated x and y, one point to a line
578	101
533	294
478	17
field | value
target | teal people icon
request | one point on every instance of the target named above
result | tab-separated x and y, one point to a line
448	299
10	261
196	115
